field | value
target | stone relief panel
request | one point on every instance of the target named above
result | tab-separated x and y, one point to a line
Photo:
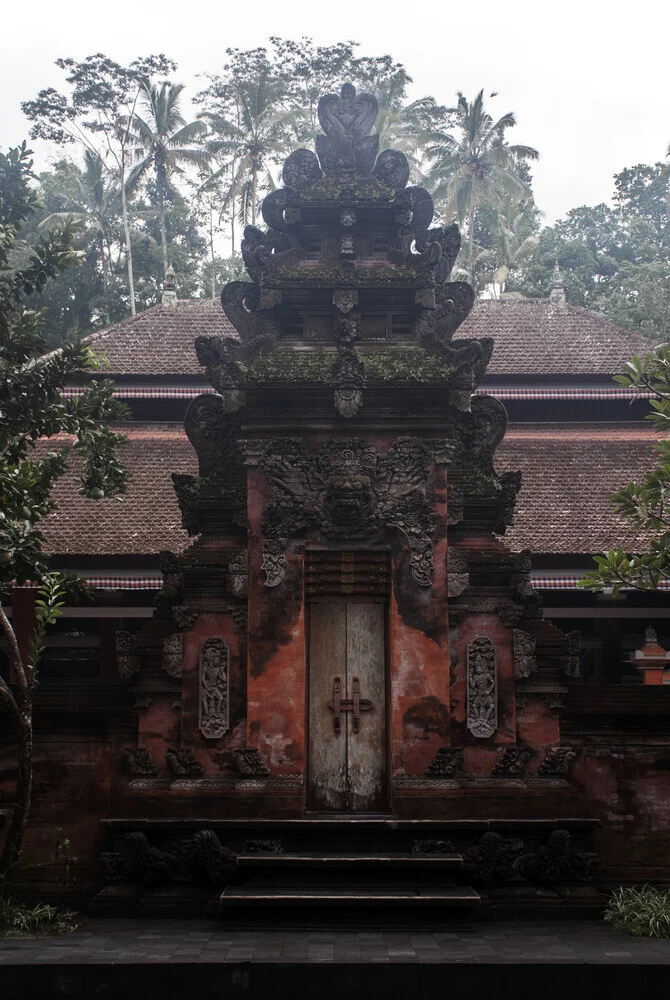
348	491
523	646
214	713
127	660
173	654
482	705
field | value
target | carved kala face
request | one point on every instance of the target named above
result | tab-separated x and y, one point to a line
348	498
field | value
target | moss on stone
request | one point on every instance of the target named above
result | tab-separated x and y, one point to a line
386	274
404	366
343	190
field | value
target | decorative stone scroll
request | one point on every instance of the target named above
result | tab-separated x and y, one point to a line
173	654
214	702
557	763
446	762
523	646
482	710
249	762
127	660
458	578
348	492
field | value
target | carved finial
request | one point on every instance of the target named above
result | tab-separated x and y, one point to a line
169	297
557	293
347	119
650	635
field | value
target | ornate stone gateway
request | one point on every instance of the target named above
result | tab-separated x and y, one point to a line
347	631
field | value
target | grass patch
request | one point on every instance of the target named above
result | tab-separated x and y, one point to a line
18	919
643	912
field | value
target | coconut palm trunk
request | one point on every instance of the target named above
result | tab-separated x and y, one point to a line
126	234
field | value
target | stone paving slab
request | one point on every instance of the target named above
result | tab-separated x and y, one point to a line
136	941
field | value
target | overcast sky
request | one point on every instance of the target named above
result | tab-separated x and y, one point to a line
588	80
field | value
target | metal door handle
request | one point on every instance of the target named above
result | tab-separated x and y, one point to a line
356	704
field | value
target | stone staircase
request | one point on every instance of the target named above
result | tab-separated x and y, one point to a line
304	885
348	870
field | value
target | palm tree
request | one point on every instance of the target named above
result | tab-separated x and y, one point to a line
475	167
514	238
95	206
161	141
247	137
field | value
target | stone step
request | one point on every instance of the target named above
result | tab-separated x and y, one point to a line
311	860
336	896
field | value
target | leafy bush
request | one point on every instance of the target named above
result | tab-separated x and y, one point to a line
642	912
17	919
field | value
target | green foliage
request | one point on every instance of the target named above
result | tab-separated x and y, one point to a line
31	406
643	912
645	505
615	260
20	920
473	169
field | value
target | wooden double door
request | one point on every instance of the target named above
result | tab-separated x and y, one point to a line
347	756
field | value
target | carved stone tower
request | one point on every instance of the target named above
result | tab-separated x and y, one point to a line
354	632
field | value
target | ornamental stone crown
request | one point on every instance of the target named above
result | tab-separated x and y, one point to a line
349	261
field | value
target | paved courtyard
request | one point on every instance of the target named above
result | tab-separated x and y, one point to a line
128	941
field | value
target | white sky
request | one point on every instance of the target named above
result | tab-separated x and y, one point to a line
588	80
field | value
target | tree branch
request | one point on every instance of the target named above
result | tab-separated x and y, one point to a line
14	651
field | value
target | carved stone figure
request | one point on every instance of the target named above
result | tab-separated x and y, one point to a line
482	707
492	859
555	862
183	763
249	763
115	867
348	379
458	578
184	616
523	646
557	762
347	119
173	654
301	168
512	763
218	861
214	708
238	567
571	659
150	866
139	763
345	299
348	491
445	763
127	660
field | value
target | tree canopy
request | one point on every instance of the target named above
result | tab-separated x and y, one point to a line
32	408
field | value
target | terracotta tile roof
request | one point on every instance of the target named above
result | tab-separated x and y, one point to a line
146	520
531	338
568	472
159	340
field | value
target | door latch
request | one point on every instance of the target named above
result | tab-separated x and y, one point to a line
355	704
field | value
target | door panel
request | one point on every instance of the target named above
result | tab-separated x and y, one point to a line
366	748
327	749
347	763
